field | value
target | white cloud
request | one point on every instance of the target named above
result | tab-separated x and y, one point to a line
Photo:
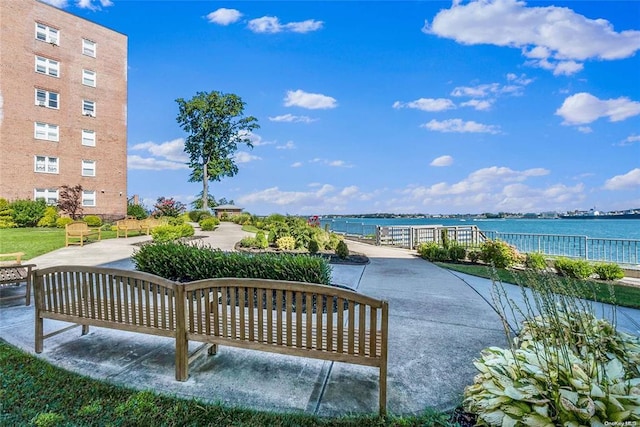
224	16
492	189
271	24
480	105
256	140
171	151
91	4
135	162
427	104
296	164
460	126
288	146
583	108
629	180
442	161
550	37
631	139
349	191
244	157
290	118
479	91
585	129
332	163
312	101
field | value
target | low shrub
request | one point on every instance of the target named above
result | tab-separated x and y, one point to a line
137	211
27	213
93	221
49	218
248	242
498	253
286	243
166	233
184	262
474	255
6	215
573	268
456	252
209	223
433	252
63	221
334	239
342	250
313	247
535	261
608	271
198	215
261	240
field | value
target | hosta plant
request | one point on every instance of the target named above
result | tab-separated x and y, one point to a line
573	370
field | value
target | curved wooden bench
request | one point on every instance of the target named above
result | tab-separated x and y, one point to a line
299	319
124	226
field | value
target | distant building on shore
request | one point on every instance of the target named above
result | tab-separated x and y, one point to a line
228	210
63	107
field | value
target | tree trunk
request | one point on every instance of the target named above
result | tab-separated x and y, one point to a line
205	187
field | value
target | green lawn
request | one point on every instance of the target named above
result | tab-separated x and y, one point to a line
624	295
35	241
36	393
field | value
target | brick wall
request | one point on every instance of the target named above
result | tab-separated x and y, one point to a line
18	110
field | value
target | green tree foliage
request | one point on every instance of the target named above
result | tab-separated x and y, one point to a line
216	125
136	211
27	213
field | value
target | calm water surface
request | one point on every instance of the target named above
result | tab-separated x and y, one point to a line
593	228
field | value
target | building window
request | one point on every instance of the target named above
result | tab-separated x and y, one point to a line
46	131
47	34
50	195
46	164
44	98
89	48
88	108
88	168
47	66
88	138
88	198
89	78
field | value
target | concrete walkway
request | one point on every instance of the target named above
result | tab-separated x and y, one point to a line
438	325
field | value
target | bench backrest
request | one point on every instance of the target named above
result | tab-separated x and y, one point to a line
141	301
299	316
130	224
77	226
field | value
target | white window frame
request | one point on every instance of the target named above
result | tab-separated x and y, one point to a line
89	198
88	111
89	48
47	34
88	138
50	195
88	168
45	98
49	164
49	67
46	131
89	78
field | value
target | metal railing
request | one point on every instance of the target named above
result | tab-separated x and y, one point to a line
620	251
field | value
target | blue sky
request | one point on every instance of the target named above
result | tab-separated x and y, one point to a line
407	107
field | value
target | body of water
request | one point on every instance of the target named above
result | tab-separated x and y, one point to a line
592	228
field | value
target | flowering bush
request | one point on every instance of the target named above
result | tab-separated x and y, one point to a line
168	207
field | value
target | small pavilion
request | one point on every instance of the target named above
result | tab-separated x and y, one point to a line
230	210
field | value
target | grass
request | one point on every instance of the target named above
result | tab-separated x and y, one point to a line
623	295
34	392
36	241
250	228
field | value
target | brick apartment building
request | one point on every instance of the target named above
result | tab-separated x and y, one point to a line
63	107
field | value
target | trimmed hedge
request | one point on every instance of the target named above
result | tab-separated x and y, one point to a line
183	262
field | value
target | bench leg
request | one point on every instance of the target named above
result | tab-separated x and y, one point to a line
383	389
85	329
39	333
213	350
182	357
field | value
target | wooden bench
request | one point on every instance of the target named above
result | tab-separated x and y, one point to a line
300	319
148	224
125	226
79	231
13	272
